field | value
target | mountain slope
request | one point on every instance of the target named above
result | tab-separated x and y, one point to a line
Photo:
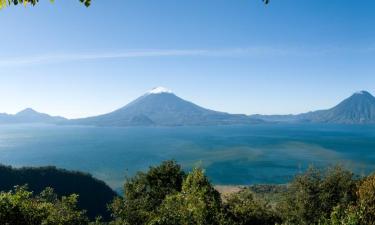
29	116
94	195
163	108
357	109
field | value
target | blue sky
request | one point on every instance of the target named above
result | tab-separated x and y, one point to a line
234	56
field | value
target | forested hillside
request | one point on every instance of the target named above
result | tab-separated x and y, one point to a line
94	195
166	195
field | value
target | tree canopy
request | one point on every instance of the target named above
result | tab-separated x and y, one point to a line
21	207
165	195
94	195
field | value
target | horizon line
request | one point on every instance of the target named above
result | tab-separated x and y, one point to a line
252	114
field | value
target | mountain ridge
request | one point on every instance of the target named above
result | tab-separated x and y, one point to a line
359	108
29	115
161	107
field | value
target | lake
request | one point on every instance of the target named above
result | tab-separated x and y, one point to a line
267	153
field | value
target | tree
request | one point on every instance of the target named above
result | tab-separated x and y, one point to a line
4	3
314	195
197	203
64	183
146	191
20	207
244	209
366	200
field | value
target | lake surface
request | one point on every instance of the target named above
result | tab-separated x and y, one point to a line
230	154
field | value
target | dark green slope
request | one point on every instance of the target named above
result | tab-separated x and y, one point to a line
94	195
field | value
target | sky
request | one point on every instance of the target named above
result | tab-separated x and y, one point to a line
233	56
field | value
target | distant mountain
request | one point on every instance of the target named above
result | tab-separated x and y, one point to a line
357	109
163	108
29	116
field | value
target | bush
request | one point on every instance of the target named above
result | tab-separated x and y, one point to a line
313	195
20	207
146	191
244	209
94	195
197	203
366	200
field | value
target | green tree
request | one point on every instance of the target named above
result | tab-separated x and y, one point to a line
313	195
197	203
20	207
366	200
144	193
244	209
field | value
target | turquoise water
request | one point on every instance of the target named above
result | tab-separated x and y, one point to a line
230	154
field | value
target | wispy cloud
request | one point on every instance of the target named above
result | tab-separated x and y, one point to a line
79	56
127	54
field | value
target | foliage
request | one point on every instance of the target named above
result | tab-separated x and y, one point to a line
164	195
243	209
146	191
197	203
313	195
345	215
20	207
366	200
87	3
94	194
4	3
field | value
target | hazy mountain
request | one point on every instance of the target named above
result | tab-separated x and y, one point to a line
161	107
29	116
357	109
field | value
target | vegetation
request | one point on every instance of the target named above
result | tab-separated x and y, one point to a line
145	192
4	3
165	195
19	207
94	195
87	3
313	195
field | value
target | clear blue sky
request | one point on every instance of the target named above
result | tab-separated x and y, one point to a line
234	56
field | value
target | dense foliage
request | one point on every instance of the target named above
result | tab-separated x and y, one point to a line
20	207
197	203
313	195
165	195
244	208
94	195
146	191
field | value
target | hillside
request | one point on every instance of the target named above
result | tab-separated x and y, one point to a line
357	109
94	195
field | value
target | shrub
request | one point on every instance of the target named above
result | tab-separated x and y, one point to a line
314	194
244	209
197	203
20	207
146	191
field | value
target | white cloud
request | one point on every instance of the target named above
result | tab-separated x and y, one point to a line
229	52
71	57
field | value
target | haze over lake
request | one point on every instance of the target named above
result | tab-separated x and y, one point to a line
264	153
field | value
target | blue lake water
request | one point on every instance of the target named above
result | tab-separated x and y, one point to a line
230	154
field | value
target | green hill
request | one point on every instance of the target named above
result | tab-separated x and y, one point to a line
94	195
